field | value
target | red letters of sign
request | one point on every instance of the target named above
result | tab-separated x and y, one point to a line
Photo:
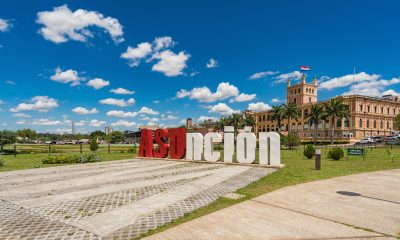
177	143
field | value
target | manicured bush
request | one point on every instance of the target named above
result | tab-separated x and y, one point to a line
309	151
73	158
93	145
335	153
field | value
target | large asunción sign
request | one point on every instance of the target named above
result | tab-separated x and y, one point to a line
178	144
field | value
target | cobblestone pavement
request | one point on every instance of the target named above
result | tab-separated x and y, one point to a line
111	200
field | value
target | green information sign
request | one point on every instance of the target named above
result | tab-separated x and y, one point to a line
355	151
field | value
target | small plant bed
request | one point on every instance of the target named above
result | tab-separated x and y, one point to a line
72	158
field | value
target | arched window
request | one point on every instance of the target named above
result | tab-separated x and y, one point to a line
306	112
309	99
305	126
360	123
387	125
326	124
272	128
346	123
299	126
319	125
263	129
374	123
339	123
268	128
381	124
367	123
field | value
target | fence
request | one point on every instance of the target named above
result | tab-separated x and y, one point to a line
77	148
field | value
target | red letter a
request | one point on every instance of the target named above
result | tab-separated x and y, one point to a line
177	143
160	137
146	143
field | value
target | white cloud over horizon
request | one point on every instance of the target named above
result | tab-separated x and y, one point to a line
84	111
69	76
97	83
118	102
258	107
61	25
38	103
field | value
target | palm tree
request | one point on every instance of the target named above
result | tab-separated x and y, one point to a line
276	114
248	120
223	121
316	115
291	111
336	109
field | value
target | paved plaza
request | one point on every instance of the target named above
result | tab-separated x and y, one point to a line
111	200
362	206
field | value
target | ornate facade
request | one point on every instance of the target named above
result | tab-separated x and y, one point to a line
369	116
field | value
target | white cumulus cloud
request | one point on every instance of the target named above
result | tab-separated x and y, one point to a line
61	25
259	106
170	63
69	76
98	83
259	75
222	109
282	78
212	63
96	123
123	123
38	103
243	97
203	94
22	115
121	114
205	118
146	110
122	91
118	102
163	42
84	111
4	25
135	55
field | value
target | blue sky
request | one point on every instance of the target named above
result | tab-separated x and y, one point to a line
127	63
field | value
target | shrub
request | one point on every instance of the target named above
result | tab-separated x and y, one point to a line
93	145
73	158
130	150
284	140
335	153
293	140
309	151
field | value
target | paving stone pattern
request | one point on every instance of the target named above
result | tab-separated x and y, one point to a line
111	200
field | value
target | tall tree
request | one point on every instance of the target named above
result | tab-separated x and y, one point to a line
291	111
316	115
26	134
7	137
115	137
276	115
336	109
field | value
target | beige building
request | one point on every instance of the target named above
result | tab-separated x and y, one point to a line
369	116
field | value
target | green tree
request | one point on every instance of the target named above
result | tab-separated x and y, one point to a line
7	137
396	123
336	109
116	137
276	115
291	111
98	134
316	115
249	120
94	146
26	134
293	140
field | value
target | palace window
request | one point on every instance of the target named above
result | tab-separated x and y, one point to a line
369	108
263	117
305	126
346	123
339	123
374	123
313	91
360	123
309	99
394	111
361	107
376	109
387	125
326	124
306	112
263	129
299	126
259	118
381	124
367	123
388	110
382	110
268	128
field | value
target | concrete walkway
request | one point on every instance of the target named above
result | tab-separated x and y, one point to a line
362	206
111	200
